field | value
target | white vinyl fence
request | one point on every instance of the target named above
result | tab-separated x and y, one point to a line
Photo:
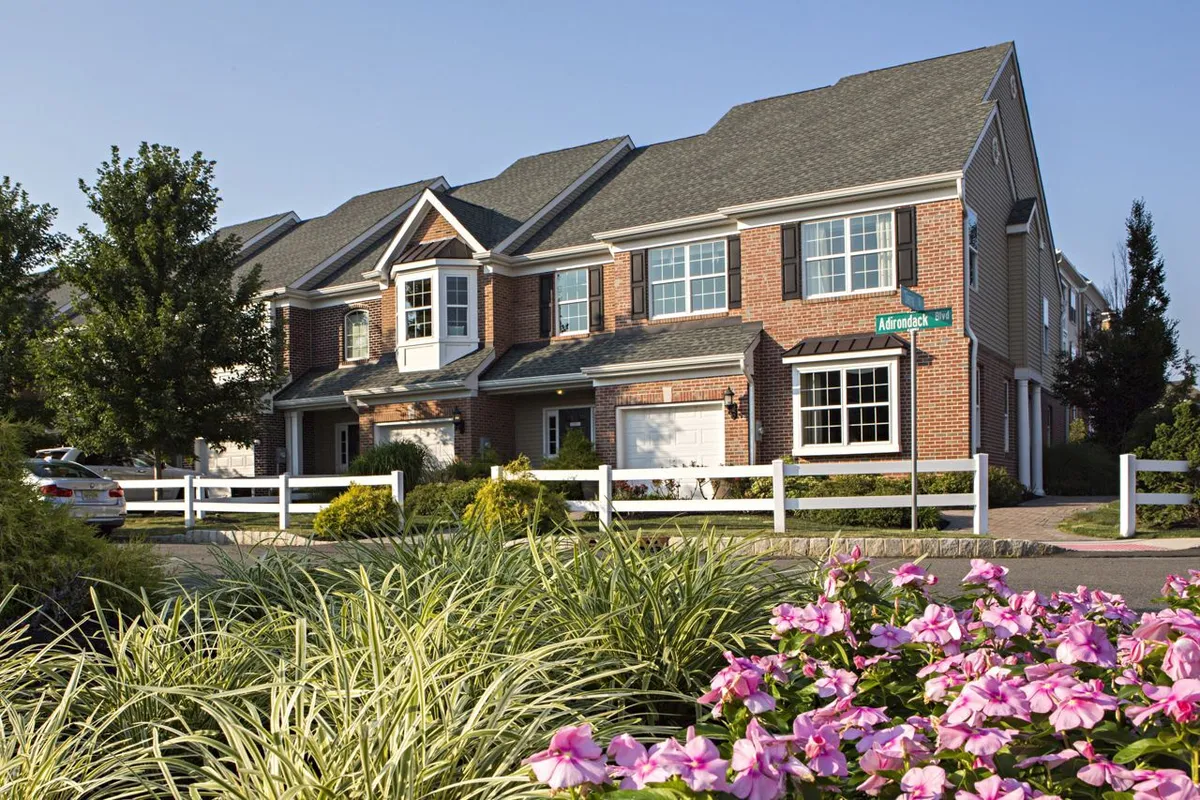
194	500
778	503
1131	498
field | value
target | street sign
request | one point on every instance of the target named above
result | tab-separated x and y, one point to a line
914	320
911	299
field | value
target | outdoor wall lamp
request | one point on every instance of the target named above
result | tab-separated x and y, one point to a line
458	420
731	404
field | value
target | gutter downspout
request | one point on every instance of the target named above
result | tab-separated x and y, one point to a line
750	421
974	357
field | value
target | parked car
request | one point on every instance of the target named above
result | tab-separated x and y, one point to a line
88	496
127	468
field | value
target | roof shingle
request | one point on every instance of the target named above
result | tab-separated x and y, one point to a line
381	374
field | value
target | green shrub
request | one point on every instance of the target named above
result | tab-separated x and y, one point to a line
357	512
52	561
1177	440
516	502
1079	468
1077	431
411	458
1003	489
574	452
458	470
442	500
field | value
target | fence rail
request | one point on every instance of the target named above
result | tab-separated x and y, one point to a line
194	503
778	503
1131	498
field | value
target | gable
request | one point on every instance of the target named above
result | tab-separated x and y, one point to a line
432	228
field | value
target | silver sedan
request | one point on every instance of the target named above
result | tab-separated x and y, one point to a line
86	495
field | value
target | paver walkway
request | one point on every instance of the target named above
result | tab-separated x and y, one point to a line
1036	520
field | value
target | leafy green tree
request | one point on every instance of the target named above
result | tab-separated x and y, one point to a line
172	344
28	247
1124	367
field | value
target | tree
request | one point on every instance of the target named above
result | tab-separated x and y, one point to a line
1124	367
28	247
173	344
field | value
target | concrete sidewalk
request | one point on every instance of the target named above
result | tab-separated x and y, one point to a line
1035	520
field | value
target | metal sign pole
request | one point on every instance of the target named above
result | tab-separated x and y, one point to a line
912	410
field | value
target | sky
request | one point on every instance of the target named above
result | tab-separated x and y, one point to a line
305	104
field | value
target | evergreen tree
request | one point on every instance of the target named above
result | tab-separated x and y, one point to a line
173	344
1124	368
28	247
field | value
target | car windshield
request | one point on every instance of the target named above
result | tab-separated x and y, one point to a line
60	469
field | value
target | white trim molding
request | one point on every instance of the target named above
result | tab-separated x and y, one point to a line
868	359
426	201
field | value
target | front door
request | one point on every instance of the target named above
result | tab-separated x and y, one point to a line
345	445
567	420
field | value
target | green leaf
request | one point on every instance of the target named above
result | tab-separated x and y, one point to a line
1140	749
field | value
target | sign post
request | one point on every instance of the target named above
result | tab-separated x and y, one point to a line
913	321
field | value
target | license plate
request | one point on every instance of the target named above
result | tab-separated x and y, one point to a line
89	494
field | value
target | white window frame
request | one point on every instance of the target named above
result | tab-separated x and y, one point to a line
687	279
346	356
437	279
584	302
971	251
846	254
1045	325
444	278
803	365
341	460
552	412
1073	308
402	303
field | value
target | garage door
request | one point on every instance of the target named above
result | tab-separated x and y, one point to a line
235	461
672	436
437	436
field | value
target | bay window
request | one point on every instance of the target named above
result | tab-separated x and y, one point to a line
848	255
357	334
844	408
571	300
457	305
418	308
687	279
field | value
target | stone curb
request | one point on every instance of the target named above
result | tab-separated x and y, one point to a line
819	547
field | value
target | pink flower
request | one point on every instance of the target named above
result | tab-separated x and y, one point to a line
774	666
1182	659
637	767
1176	586
1087	642
985	573
836	683
572	759
1006	622
1100	771
756	762
1044	695
824	618
1084	707
844	569
785	619
938	625
821	745
976	741
923	783
740	681
888	637
701	766
985	697
1181	702
1165	784
911	574
992	788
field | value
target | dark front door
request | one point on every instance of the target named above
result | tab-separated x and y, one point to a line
575	419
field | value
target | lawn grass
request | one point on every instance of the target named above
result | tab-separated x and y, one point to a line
167	524
1104	523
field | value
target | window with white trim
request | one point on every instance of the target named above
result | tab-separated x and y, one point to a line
848	255
358	337
458	303
845	408
1073	313
571	300
1046	326
560	421
418	308
687	279
972	249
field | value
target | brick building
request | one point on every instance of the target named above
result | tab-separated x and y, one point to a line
706	300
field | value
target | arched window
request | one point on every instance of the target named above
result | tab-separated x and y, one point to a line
358	337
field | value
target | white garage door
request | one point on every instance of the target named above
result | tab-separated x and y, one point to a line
672	436
235	461
437	436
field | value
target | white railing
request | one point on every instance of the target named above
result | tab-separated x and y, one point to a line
778	503
194	501
1131	498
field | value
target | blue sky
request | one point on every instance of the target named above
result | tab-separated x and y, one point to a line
305	104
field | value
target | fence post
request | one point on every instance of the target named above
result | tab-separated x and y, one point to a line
779	495
398	492
604	496
1128	495
980	525
189	501
201	492
497	472
285	497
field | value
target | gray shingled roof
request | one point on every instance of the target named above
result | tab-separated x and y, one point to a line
313	241
494	208
916	119
851	343
248	230
627	346
381	374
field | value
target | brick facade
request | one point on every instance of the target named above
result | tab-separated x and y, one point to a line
329	331
484	418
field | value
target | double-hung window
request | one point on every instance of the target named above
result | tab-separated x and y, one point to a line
571	300
457	305
357	325
1046	325
687	279
972	249
845	408
418	308
847	255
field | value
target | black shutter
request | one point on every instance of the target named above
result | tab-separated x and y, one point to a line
735	271
906	245
596	299
546	305
637	284
790	250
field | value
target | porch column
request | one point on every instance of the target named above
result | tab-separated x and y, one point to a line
1023	432
294	441
1037	441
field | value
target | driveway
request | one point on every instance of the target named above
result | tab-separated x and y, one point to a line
1035	520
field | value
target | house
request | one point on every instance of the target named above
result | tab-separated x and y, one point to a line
708	300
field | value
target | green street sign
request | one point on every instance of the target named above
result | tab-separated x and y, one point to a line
906	321
911	299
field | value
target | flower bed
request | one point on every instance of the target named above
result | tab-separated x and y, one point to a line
876	690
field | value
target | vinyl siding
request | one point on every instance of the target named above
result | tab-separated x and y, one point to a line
1042	272
1018	310
989	195
1016	132
528	414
